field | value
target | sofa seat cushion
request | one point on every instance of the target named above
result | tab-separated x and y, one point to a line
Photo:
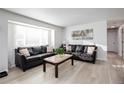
39	56
85	56
44	55
34	57
77	54
68	52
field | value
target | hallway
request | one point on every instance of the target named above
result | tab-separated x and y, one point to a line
116	68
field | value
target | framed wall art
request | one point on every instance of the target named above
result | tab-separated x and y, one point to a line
82	34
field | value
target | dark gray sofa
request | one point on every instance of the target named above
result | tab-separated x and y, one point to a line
37	54
79	52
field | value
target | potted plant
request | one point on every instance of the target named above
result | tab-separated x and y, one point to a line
59	51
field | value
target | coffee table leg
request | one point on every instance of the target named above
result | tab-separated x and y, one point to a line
56	71
72	62
44	67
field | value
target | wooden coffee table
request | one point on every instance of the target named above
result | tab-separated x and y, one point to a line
56	60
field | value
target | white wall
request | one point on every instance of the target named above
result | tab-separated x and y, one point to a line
100	37
4	17
3	43
11	45
112	40
18	18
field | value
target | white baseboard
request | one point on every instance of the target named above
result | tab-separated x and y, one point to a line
4	70
12	66
100	59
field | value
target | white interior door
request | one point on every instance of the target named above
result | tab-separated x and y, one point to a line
112	41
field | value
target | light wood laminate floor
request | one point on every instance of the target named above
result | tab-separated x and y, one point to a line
108	72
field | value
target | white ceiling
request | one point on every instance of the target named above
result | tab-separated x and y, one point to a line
70	16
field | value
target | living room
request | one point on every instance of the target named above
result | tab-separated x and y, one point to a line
21	28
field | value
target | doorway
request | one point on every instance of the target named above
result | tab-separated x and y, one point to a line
112	40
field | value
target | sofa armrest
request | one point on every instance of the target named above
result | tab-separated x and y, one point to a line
94	55
20	60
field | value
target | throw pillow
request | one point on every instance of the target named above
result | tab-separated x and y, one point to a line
90	50
85	49
24	52
68	48
49	49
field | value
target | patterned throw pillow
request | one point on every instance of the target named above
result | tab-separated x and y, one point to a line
49	49
79	48
85	49
90	50
24	52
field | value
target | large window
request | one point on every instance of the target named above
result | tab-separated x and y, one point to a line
23	35
32	36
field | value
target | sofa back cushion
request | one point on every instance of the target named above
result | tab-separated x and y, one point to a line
82	48
37	50
34	50
73	48
43	49
30	50
79	48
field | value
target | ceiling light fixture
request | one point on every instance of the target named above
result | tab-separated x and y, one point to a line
113	26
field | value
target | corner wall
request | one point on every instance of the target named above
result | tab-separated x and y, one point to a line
99	35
